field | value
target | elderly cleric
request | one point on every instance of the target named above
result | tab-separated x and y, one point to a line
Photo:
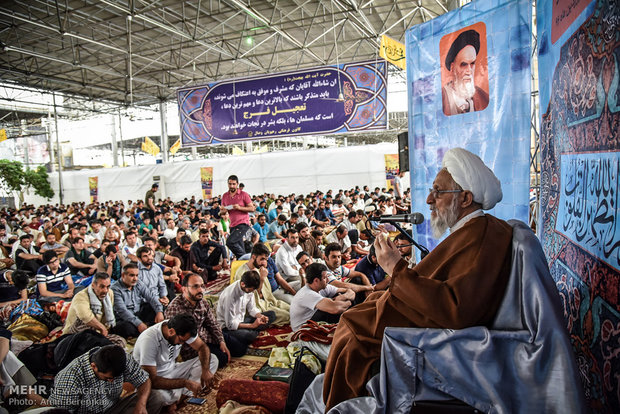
459	284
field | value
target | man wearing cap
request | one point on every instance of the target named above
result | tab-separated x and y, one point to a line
461	95
149	201
459	284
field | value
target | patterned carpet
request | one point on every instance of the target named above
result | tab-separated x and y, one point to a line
239	368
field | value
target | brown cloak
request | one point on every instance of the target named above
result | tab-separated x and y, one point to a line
459	284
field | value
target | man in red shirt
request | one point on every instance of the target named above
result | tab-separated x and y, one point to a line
238	204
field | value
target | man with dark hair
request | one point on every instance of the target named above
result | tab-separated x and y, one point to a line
318	300
149	201
262	228
50	279
52	244
461	95
307	242
79	260
343	277
193	303
235	301
286	259
340	235
26	255
93	383
175	242
13	284
405	248
151	275
157	349
277	228
206	255
182	252
369	266
239	204
92	308
111	262
134	304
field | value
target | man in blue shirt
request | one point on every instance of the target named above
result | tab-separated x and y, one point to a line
277	228
261	228
376	275
274	214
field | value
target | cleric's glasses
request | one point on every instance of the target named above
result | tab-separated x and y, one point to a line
435	193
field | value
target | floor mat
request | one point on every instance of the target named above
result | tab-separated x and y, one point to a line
214	287
238	368
272	337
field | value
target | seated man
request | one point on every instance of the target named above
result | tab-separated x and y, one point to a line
193	303
318	300
277	228
130	247
307	242
111	262
93	383
460	284
262	228
52	244
92	308
375	274
13	284
343	277
239	329
157	349
50	279
151	275
287	262
26	255
182	252
405	248
206	255
169	265
134	304
340	235
264	298
79	260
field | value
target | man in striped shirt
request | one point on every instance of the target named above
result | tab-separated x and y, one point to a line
51	276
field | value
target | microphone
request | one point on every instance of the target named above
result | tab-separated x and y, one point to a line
413	218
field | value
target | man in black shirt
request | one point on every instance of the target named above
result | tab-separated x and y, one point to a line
206	255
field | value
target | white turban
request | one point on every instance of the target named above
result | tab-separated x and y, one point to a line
469	171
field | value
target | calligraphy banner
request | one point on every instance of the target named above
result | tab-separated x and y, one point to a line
206	182
391	169
393	52
93	188
579	77
323	100
468	76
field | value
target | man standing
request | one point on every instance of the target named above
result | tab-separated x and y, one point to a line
149	201
206	255
460	284
93	383
192	302
157	349
461	95
318	300
398	184
134	304
239	204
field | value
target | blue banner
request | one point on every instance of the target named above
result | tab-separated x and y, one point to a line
468	74
325	100
578	67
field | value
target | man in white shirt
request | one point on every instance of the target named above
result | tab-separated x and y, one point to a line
318	300
130	247
286	259
171	232
239	329
157	349
341	236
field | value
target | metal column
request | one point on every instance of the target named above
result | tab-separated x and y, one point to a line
164	132
58	152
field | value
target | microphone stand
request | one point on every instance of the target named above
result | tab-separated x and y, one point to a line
423	250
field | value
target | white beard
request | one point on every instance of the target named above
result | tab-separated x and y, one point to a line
445	219
465	89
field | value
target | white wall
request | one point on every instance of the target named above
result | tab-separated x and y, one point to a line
277	172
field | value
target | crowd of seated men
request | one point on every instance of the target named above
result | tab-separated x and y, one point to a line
132	273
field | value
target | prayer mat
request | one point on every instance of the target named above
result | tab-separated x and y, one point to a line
269	394
237	368
214	287
273	336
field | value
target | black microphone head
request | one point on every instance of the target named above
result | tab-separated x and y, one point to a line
417	218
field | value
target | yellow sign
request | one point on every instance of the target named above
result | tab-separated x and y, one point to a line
175	147
206	182
93	189
237	151
391	169
2	134
150	147
393	52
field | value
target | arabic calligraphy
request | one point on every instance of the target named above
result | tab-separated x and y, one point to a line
589	203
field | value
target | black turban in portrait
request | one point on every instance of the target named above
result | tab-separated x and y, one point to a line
468	37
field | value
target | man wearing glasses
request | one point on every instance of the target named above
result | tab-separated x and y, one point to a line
461	283
193	303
